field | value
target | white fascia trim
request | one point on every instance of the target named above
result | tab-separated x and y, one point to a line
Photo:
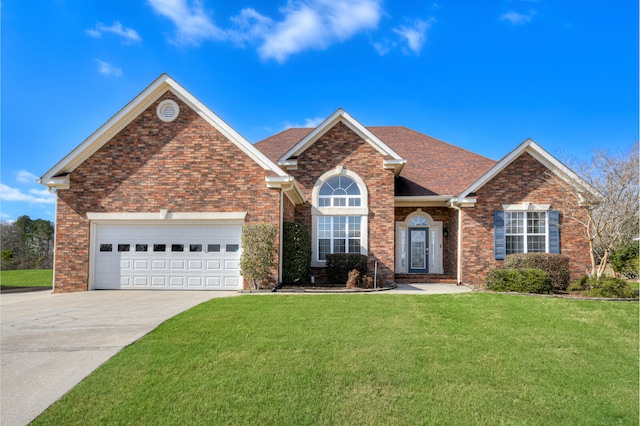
539	154
422	201
462	202
59	182
327	124
168	217
127	114
289	186
396	165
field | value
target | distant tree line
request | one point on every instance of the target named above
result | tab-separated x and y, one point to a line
27	244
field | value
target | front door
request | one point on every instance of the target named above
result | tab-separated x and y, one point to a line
418	250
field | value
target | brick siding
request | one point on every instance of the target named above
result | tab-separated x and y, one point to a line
184	166
524	180
340	146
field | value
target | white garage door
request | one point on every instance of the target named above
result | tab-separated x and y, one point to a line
177	257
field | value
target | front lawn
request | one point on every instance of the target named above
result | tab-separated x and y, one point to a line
27	278
372	359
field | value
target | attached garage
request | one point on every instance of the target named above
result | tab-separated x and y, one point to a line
166	256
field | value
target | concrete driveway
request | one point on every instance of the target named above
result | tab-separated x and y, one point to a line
50	342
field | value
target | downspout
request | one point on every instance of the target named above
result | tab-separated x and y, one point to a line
281	238
459	268
55	242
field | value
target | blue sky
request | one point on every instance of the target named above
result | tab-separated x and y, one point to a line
483	75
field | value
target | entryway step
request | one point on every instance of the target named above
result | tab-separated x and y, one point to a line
425	278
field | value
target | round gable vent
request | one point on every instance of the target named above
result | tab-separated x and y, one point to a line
168	110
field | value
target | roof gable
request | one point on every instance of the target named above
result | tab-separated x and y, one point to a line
392	160
133	109
537	152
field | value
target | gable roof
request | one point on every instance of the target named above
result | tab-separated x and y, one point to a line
392	160
57	177
537	152
433	168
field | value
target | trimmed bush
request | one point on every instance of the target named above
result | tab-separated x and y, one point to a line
626	261
259	249
527	280
296	253
340	264
603	287
556	265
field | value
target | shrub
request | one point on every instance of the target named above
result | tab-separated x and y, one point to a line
259	250
527	280
296	253
340	264
556	265
626	261
603	287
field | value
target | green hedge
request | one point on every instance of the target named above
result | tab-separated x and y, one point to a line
527	280
603	287
340	264
556	265
296	256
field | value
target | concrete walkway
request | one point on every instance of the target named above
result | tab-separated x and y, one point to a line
50	342
429	289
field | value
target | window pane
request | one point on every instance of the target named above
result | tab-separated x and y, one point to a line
124	247
515	244
339	246
142	247
536	244
354	245
324	227
177	247
106	247
339	191
339	202
195	247
213	248
324	202
536	223
232	248
159	247
418	221
324	247
354	202
354	226
514	222
339	227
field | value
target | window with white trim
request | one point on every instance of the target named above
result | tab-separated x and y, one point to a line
525	232
339	215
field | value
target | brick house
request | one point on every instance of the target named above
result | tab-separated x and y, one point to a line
157	196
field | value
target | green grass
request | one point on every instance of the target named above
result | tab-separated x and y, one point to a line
27	278
372	359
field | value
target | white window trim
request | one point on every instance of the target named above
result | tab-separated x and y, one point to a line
539	209
362	211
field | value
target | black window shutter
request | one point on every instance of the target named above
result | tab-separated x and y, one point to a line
554	231
499	246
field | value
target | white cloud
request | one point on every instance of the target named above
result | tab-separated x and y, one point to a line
193	24
308	122
306	24
107	69
415	34
316	24
24	176
35	196
515	18
128	34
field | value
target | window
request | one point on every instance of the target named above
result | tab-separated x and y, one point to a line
195	247
525	232
177	247
124	247
213	248
339	191
142	247
106	247
159	247
340	212
338	234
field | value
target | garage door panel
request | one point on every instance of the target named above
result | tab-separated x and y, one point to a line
167	257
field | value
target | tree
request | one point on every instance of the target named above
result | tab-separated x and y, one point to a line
609	195
259	250
27	243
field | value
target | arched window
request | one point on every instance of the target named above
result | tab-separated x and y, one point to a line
339	191
418	221
339	215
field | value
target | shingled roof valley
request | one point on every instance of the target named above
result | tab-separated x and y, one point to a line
433	167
